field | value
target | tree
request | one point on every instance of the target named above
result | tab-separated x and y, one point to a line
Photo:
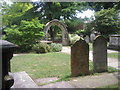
97	6
107	21
74	25
58	10
26	34
12	14
106	17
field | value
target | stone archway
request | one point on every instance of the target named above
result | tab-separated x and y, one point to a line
55	22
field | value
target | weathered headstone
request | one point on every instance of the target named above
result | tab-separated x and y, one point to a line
100	54
87	39
80	58
92	37
114	42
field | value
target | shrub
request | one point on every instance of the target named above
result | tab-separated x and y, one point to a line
41	48
73	38
84	32
26	34
56	47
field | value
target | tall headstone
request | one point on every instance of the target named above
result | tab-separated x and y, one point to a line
100	54
80	58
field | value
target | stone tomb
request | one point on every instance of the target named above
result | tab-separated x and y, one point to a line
80	58
100	54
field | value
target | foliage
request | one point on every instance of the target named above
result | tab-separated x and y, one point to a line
106	17
84	32
73	38
107	21
41	48
14	12
26	34
74	25
97	6
56	10
56	47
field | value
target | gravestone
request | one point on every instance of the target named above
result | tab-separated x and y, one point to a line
92	36
100	54
80	58
114	42
87	39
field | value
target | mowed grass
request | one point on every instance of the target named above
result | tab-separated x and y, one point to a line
109	87
42	65
46	65
114	55
90	46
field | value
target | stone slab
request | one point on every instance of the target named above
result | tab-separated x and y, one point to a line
95	81
45	80
62	84
23	80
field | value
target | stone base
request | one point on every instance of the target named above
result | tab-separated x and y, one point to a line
23	80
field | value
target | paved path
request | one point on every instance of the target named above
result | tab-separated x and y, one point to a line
23	80
94	81
111	61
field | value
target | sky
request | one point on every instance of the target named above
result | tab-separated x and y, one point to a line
87	13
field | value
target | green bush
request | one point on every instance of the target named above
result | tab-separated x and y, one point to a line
56	47
84	32
41	48
26	34
73	38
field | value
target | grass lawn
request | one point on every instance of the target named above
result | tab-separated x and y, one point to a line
90	47
109	87
114	55
45	65
42	65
